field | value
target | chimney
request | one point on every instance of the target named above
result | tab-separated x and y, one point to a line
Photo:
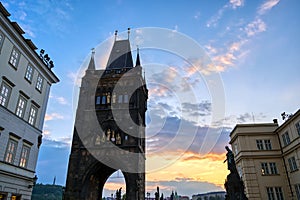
275	121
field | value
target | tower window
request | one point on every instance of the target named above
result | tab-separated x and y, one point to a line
114	98
103	99
126	98
120	98
98	100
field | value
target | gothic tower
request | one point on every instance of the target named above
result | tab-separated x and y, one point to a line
109	131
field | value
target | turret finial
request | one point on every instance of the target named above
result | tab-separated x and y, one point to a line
116	33
128	31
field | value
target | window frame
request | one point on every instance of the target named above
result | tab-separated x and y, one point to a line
14	58
297	125
292	164
268	144
259	144
32	119
264	169
39	83
1	40
279	193
29	74
10	152
286	138
23	109
24	158
273	168
9	88
270	193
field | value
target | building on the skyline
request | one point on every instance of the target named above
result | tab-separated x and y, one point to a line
267	158
25	81
109	130
219	195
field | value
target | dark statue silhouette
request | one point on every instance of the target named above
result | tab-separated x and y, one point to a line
234	185
118	194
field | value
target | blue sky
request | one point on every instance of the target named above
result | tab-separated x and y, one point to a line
254	45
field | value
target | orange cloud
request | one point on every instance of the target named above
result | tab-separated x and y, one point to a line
53	116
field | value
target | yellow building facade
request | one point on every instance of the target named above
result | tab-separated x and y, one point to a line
268	158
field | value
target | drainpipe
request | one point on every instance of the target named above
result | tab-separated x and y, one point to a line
284	163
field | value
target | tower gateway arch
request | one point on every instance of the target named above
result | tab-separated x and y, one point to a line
109	130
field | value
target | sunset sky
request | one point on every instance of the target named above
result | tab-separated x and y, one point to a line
251	76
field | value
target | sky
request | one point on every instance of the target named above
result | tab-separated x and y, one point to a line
241	67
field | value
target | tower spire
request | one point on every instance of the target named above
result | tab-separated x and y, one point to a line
138	62
92	61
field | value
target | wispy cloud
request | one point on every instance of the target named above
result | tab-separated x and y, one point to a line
255	27
232	4
236	3
53	116
268	5
59	99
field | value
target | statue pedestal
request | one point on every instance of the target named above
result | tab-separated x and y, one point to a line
234	187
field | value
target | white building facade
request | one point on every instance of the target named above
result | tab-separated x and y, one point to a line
25	81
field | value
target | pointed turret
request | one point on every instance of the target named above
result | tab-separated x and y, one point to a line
92	61
138	62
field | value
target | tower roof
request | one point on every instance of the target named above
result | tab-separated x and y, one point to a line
92	61
120	55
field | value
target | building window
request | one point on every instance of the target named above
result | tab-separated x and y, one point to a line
21	106
11	151
264	169
298	127
32	115
297	189
114	98
270	193
292	164
279	194
1	40
103	99
29	73
269	168
273	168
126	98
286	138
259	144
120	98
24	156
4	94
268	145
39	83
98	100
14	57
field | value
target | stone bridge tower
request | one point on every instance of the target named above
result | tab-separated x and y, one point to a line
109	131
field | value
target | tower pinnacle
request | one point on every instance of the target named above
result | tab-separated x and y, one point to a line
138	62
92	61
